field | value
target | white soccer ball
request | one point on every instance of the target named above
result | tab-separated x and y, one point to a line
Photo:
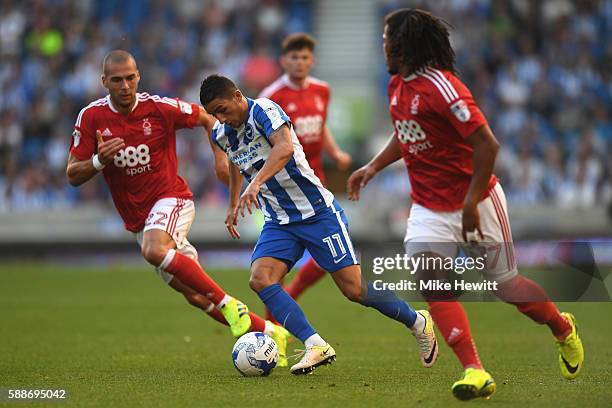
255	354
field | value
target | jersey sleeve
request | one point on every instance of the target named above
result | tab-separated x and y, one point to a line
217	133
84	144
179	113
456	103
269	116
390	89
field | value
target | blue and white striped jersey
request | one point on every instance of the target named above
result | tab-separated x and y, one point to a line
295	193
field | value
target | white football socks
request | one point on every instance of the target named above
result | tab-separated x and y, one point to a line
223	301
269	328
419	324
314	340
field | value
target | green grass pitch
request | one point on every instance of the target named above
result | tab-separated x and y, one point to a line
117	336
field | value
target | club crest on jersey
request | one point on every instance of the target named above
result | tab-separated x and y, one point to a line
76	138
461	110
292	107
146	127
248	134
414	105
185	108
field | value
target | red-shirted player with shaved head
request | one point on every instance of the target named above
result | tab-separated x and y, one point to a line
305	99
450	151
130	137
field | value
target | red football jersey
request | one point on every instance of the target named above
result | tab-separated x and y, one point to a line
433	113
146	169
307	108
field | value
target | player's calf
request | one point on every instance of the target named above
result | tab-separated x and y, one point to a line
350	283
199	301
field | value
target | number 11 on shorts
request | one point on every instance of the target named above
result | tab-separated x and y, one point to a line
330	243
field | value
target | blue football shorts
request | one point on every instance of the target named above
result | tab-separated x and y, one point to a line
325	235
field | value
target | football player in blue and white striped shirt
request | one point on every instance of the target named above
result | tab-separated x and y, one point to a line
300	214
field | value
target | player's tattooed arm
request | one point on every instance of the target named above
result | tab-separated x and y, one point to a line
235	184
485	147
80	171
221	162
360	178
342	158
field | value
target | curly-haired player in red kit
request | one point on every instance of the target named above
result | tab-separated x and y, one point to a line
450	151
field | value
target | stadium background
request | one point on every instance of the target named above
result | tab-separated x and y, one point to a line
539	70
80	309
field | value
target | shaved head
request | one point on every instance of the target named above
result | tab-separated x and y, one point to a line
116	57
121	77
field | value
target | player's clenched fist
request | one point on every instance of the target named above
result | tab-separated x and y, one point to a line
108	149
358	180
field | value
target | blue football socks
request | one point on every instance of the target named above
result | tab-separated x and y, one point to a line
387	303
286	311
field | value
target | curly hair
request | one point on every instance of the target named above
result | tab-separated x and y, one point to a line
419	39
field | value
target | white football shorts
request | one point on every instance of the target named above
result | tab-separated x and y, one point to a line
175	216
439	232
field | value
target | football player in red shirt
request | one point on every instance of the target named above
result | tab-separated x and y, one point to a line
449	151
305	99
130	137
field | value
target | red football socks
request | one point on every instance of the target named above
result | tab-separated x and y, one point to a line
531	300
455	327
191	274
305	278
217	315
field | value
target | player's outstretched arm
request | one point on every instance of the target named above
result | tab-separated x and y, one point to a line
360	177
281	153
483	160
221	166
80	171
340	157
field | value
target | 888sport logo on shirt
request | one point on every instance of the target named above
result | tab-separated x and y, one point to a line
135	159
409	131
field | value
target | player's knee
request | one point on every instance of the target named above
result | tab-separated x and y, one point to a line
259	281
431	293
154	254
510	291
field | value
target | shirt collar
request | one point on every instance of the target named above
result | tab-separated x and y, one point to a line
111	107
287	81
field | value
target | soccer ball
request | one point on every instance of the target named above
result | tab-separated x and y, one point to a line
255	354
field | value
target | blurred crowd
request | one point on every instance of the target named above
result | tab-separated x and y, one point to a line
50	64
540	71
